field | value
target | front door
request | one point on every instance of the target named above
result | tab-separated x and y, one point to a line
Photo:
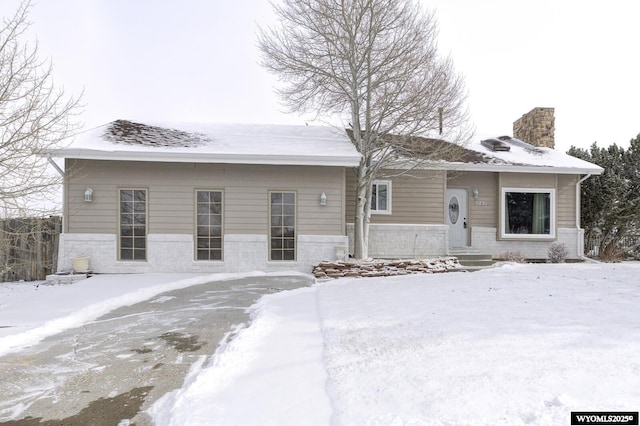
457	217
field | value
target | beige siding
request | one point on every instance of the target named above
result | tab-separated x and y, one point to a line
171	190
565	186
484	210
527	180
566	204
350	191
420	200
415	199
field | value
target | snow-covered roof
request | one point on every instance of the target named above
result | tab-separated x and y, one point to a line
294	145
516	156
214	143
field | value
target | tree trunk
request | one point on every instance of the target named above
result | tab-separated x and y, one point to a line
367	218
361	226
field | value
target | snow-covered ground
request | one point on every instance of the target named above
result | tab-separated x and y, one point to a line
516	344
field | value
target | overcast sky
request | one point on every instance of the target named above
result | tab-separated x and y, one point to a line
196	60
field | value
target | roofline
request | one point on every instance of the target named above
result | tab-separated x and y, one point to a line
194	157
300	160
512	168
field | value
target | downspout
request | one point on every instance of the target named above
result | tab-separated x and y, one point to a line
55	166
64	189
580	250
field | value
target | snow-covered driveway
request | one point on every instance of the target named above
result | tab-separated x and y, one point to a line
512	345
118	364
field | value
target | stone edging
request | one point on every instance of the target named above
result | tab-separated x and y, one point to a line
383	268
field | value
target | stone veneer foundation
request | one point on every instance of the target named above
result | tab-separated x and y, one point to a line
174	253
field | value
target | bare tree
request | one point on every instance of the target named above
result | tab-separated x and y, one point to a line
373	63
34	116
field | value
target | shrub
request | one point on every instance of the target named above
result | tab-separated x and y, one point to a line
512	256
557	253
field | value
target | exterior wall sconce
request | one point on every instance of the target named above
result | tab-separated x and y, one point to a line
323	199
88	195
475	193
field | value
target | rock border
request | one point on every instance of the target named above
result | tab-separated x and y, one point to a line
383	268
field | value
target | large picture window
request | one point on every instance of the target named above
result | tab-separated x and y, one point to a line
282	230
133	224
381	197
528	213
209	225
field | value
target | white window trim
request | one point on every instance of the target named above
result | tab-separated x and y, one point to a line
146	225
195	225
295	226
503	214
388	209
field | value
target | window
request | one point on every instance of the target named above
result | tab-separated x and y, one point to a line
209	225
282	230
381	197
528	213
133	224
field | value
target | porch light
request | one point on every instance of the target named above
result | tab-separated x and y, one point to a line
323	199
88	195
475	193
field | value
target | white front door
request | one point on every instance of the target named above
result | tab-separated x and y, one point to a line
456	212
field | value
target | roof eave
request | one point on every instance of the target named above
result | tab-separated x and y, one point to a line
513	168
181	157
516	168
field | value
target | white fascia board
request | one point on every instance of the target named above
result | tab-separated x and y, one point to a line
173	157
511	168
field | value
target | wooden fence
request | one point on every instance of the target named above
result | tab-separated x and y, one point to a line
28	248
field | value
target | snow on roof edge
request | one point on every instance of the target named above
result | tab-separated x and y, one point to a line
282	145
146	156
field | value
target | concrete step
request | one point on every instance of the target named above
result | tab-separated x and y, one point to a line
479	263
463	250
475	256
471	258
56	279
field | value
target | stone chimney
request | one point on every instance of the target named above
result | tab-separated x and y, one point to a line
536	127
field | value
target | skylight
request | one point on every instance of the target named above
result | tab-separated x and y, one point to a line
495	145
522	144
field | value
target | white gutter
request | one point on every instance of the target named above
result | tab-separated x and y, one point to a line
515	168
580	252
501	167
64	190
55	166
195	157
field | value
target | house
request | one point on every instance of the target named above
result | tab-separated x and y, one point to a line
204	198
224	198
501	195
